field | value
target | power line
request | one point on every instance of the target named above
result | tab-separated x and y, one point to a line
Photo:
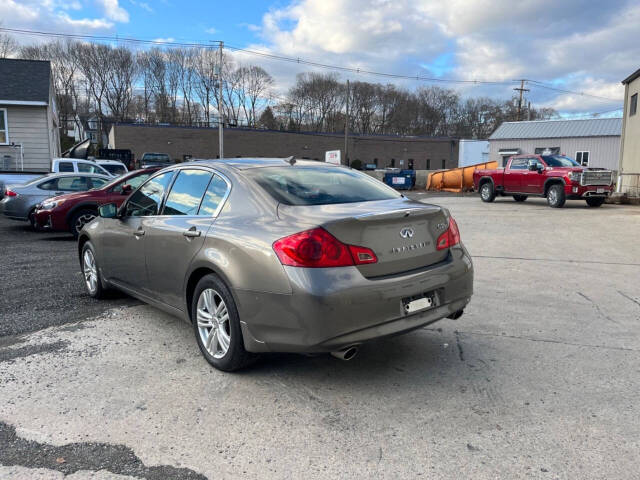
300	61
252	52
549	87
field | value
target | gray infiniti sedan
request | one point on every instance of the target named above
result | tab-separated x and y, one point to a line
279	255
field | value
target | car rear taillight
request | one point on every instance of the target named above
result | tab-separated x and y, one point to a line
10	193
317	248
449	238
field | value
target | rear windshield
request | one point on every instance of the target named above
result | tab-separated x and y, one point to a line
114	168
156	157
559	161
319	185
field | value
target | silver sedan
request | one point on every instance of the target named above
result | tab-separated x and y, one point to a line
19	202
274	255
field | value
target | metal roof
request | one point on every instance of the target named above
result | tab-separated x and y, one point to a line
24	80
593	127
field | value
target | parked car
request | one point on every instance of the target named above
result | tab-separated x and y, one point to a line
70	212
556	177
150	159
114	167
20	201
61	165
273	255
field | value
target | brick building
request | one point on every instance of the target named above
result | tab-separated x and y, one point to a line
420	153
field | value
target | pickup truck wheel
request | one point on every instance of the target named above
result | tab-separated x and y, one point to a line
519	198
487	194
595	201
556	197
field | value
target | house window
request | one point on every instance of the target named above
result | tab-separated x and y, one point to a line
444	164
582	158
393	163
633	106
4	127
428	164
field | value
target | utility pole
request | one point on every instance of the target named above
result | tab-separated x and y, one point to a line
220	115
521	90
346	130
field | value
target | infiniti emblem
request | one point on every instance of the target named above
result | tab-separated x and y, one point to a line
406	232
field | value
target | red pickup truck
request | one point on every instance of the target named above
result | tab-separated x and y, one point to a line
556	177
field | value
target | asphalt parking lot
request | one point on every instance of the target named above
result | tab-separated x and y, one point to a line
539	378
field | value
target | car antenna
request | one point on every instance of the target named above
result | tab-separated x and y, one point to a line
290	160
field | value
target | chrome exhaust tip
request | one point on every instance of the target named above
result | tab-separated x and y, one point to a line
346	354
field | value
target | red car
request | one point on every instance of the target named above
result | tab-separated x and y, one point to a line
70	212
556	177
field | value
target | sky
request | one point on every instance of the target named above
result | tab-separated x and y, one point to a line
577	45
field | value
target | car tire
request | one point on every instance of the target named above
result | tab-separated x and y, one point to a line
91	272
79	219
487	192
595	201
519	198
216	324
32	220
556	197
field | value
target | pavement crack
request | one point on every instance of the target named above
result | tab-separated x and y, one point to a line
73	457
546	340
629	298
460	350
597	307
556	260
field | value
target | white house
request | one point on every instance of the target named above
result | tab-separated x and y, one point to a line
29	135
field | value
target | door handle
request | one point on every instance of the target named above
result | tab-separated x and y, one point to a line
192	232
59	193
139	233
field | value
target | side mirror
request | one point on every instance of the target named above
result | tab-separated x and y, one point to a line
126	189
540	169
108	210
533	167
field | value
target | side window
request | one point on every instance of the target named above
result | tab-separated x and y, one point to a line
519	164
49	185
97	182
65	167
186	192
135	182
148	199
215	193
73	184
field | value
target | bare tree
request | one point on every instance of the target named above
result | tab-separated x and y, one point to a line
8	45
123	70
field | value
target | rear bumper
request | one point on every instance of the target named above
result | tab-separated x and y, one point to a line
333	308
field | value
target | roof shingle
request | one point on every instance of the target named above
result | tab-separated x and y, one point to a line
24	80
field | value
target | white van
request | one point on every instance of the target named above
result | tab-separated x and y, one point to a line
77	165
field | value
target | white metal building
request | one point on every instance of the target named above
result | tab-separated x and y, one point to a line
592	142
471	152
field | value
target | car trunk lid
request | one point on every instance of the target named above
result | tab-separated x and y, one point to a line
402	233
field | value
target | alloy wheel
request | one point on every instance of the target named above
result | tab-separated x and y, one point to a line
553	196
90	270
214	328
486	191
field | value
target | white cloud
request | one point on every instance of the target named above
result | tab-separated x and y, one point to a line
574	44
114	11
48	16
164	40
142	5
211	30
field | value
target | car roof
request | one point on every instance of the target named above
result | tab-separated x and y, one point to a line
107	160
248	163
